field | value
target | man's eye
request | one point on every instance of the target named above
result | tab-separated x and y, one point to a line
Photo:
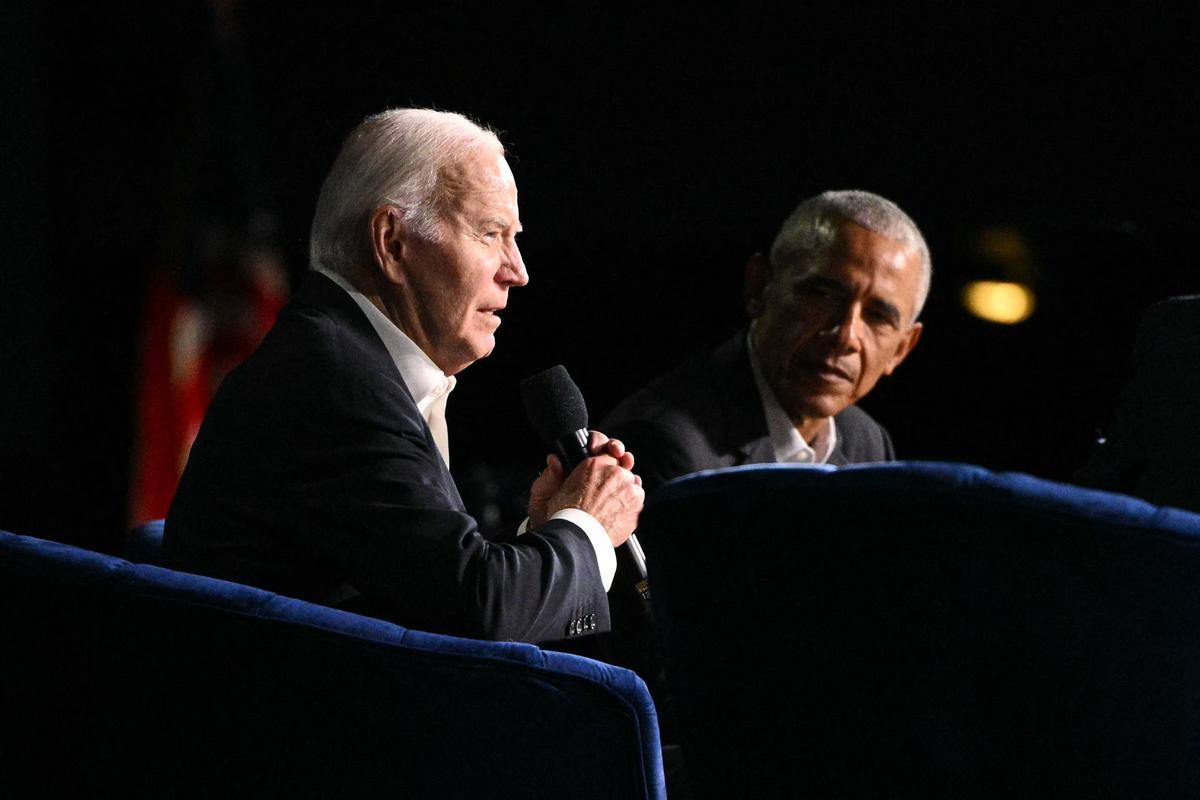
811	290
880	319
491	235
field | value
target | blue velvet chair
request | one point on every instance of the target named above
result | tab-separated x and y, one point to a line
928	630
123	679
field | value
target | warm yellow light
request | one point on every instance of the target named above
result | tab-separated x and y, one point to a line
998	301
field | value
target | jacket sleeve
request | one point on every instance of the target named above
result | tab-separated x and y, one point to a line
376	502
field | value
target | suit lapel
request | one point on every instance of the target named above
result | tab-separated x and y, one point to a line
838	457
322	294
749	441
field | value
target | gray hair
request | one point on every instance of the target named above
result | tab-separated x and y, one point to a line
395	158
812	228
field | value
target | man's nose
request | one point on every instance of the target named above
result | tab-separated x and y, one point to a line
844	328
512	268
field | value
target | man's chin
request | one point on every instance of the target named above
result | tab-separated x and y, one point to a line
468	355
810	406
483	347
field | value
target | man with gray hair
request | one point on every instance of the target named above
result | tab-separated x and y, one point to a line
832	310
320	470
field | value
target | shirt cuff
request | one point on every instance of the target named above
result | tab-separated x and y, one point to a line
606	555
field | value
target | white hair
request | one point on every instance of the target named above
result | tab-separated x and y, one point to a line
394	158
810	230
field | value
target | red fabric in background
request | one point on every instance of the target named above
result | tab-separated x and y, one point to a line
189	341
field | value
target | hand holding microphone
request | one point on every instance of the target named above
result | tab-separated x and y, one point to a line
598	485
593	472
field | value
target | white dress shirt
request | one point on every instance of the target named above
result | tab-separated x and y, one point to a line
790	447
431	388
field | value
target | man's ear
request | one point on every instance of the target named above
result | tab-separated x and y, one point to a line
758	275
389	242
905	347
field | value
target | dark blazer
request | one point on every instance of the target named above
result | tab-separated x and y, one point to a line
707	414
313	470
1152	448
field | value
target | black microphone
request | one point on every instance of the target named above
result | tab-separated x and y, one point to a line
558	413
556	410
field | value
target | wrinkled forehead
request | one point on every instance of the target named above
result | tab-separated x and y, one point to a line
482	169
861	259
852	245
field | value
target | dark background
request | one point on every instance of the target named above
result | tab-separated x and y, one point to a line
655	151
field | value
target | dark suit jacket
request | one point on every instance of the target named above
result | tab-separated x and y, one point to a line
1152	449
313	470
707	414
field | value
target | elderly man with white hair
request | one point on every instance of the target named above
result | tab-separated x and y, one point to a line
320	470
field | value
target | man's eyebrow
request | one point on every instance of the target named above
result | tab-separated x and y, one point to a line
888	309
821	282
500	222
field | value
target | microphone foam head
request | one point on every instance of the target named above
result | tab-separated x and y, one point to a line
554	404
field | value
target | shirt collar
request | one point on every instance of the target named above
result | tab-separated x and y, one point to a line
787	442
425	380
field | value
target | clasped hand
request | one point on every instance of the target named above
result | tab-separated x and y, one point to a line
604	485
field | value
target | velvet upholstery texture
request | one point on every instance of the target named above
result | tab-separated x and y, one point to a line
124	679
926	629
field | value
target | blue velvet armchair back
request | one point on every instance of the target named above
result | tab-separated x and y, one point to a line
932	630
124	679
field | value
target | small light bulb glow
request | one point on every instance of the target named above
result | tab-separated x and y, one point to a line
999	301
